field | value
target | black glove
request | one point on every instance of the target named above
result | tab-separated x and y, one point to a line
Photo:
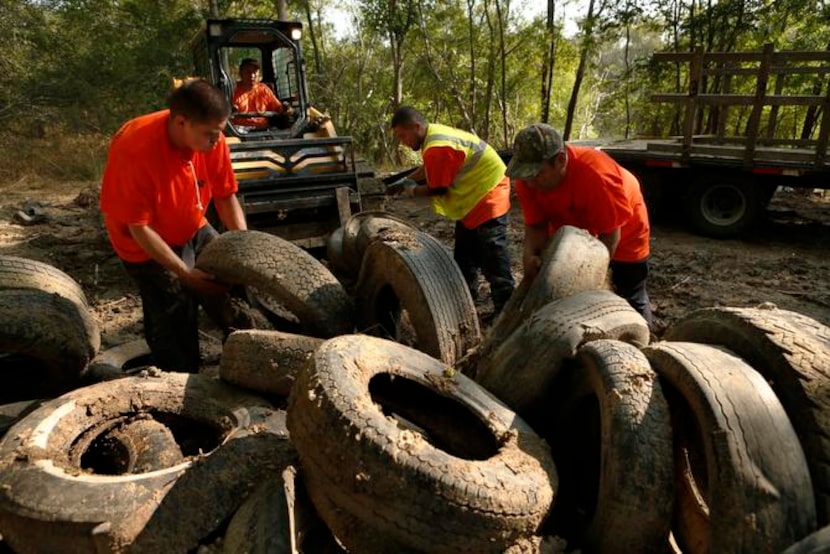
402	186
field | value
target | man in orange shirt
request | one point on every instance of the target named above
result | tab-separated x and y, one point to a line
559	184
465	182
251	96
162	171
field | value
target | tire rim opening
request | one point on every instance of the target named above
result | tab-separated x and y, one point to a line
97	451
443	422
723	205
393	321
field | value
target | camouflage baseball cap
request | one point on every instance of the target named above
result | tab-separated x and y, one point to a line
533	144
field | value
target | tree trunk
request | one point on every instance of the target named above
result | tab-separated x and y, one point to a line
503	87
549	63
587	40
318	65
473	87
282	12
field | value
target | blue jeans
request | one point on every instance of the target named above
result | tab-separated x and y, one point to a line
171	324
629	280
485	248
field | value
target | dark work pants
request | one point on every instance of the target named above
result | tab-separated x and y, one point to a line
171	324
485	247
629	280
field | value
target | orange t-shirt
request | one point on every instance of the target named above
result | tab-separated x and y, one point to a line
258	99
443	163
598	195
149	182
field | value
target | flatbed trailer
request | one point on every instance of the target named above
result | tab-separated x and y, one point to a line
766	121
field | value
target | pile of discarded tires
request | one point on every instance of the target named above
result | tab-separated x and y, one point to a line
319	437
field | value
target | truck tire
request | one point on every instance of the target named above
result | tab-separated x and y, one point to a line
573	262
792	352
725	204
277	518
380	227
815	543
143	445
48	504
118	361
23	273
613	448
265	361
465	475
412	290
52	338
353	248
521	370
287	273
744	485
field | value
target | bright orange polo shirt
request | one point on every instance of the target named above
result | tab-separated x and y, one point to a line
442	163
598	195
149	182
258	99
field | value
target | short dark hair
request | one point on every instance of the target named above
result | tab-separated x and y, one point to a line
405	116
248	61
199	101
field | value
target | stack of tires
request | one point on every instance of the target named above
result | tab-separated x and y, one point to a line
565	420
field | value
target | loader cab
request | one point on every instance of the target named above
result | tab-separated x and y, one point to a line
275	45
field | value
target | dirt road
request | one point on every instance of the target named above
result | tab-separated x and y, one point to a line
786	262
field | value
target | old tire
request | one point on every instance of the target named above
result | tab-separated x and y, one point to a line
466	475
815	543
118	361
352	252
612	444
744	485
287	273
23	273
265	361
574	261
15	411
792	352
51	337
415	277
48	504
277	518
380	227
522	369
145	445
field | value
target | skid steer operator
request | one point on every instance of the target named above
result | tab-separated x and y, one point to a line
162	171
465	182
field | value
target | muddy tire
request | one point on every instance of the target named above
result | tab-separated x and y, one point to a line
380	227
792	352
466	475
334	252
23	273
49	504
816	543
743	484
265	361
145	445
287	273
118	361
613	449
52	338
412	290
353	252
574	261
275	519
522	369
15	411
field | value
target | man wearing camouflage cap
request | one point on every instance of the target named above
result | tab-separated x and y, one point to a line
562	184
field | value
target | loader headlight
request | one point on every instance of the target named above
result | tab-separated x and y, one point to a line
296	34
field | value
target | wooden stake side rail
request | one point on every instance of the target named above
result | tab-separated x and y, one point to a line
719	70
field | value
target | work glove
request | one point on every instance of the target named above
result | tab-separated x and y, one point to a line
404	186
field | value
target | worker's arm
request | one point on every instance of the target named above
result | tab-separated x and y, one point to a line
159	251
230	213
610	240
536	239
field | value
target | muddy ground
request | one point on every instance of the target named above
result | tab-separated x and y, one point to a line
786	262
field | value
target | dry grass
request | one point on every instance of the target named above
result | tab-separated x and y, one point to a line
59	156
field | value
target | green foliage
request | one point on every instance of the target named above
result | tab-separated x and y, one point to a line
84	66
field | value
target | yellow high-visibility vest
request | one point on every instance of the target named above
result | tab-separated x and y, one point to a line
481	172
